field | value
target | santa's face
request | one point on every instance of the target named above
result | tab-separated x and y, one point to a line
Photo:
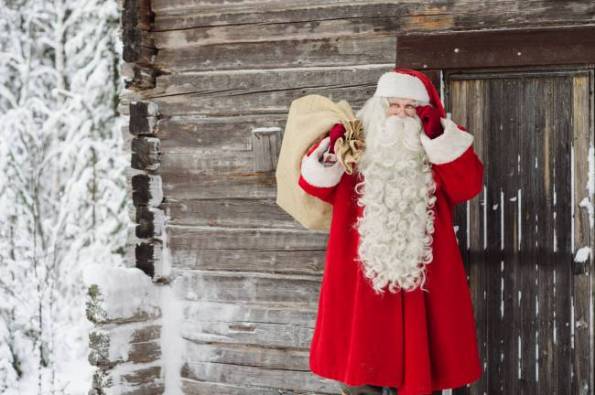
396	193
401	107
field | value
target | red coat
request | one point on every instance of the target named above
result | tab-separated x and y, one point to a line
416	341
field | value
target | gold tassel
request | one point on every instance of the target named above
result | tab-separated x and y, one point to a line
349	148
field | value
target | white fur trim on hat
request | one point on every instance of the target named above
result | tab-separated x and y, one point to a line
394	84
449	145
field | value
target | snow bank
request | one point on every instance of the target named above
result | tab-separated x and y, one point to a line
121	292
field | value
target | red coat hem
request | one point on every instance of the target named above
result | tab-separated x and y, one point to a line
453	382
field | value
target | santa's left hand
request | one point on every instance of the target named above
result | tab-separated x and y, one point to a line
430	119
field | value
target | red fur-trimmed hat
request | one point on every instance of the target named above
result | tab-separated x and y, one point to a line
410	84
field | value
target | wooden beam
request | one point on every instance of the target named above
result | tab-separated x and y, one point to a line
502	48
137	19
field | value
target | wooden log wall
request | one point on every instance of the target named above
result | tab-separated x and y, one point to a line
207	81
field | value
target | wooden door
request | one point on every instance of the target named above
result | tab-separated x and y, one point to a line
527	238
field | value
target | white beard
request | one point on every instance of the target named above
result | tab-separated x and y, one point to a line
397	199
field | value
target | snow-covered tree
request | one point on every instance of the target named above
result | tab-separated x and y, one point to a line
62	184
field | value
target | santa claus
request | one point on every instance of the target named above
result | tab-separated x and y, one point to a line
394	308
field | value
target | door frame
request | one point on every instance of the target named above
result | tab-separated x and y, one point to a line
556	50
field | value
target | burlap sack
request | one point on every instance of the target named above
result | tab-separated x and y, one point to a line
310	118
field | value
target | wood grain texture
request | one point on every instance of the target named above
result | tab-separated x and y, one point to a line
523	228
250	275
250	287
256	93
408	16
460	50
582	282
249	376
334	51
228	212
469	217
192	387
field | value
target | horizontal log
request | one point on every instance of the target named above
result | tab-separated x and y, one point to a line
408	16
337	27
111	345
243	287
258	333
155	387
253	376
260	239
137	19
249	312
137	14
188	7
274	262
192	387
228	213
468	50
251	92
404	15
205	161
292	261
187	186
101	308
247	355
146	190
143	118
140	377
145	154
151	222
211	135
334	51
138	77
129	378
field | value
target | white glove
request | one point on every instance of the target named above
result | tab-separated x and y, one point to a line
316	173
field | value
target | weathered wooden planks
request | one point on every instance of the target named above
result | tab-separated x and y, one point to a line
239	260
345	51
192	387
223	94
583	293
287	289
249	376
469	218
467	50
408	16
284	358
271	313
138	49
211	135
526	226
218	71
240	213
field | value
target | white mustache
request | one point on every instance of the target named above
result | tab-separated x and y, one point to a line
405	130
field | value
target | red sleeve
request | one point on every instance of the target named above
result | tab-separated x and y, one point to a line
326	194
462	178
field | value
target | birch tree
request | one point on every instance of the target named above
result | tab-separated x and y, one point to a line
62	184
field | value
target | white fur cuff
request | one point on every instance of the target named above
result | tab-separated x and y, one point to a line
449	145
316	174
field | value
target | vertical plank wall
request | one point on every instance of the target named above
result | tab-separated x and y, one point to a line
211	76
519	236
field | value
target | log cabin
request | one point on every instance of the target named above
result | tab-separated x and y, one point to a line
234	280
